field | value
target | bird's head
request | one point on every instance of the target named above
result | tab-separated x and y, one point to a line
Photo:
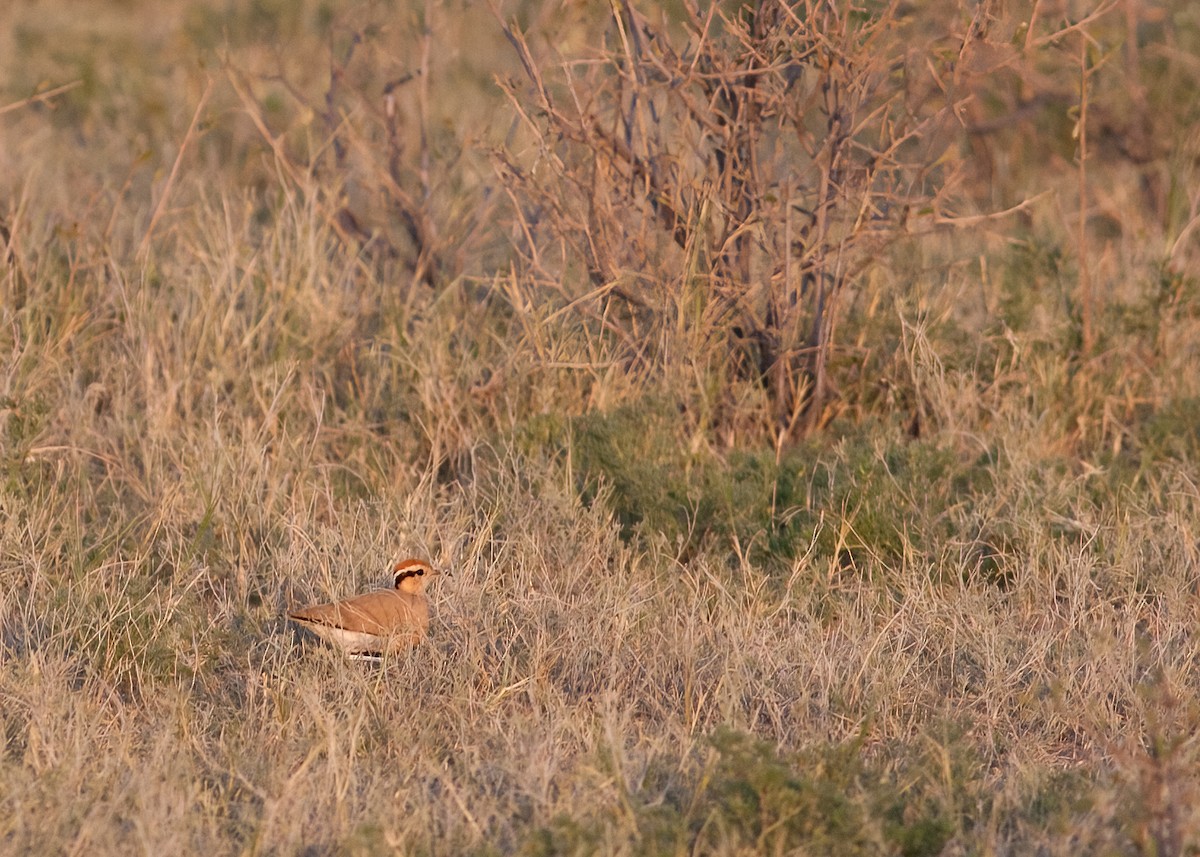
411	575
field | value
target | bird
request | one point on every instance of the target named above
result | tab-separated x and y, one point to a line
386	621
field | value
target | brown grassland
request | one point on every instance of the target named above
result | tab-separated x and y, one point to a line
803	398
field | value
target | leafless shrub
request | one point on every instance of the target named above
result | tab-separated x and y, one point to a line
724	179
389	185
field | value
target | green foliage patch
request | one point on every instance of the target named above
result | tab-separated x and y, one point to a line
867	500
751	798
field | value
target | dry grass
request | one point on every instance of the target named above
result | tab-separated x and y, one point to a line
261	334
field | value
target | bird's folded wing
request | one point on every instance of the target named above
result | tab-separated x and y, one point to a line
380	613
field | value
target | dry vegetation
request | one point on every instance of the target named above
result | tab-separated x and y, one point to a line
803	399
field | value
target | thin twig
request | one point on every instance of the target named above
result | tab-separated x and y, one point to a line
167	188
975	220
40	97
